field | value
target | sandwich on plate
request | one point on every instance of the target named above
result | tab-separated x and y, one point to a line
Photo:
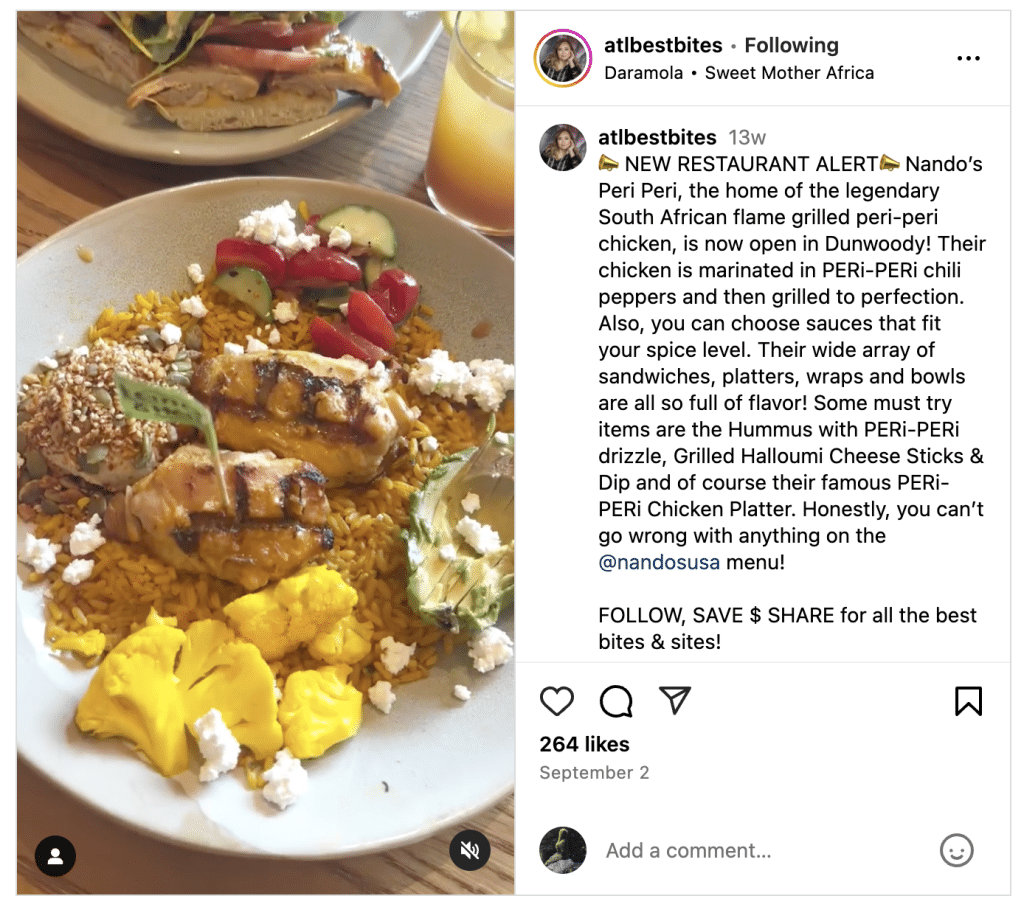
209	71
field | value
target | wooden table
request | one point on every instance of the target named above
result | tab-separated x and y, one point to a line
61	181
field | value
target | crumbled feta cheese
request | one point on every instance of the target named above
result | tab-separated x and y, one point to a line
170	333
40	553
429	444
470	503
254	345
491	380
439	374
82	351
380	373
231	348
276	225
485	381
482	538
193	306
274	337
86	537
381	696
462	693
340	238
286	781
217	743
195	272
286	310
48	363
447	552
264	225
416	556
77	571
290	242
489	649
395	655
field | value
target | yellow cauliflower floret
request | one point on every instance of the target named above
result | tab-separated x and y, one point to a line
87	644
155	619
257	618
319	709
293	612
143	692
218	671
134	694
347	642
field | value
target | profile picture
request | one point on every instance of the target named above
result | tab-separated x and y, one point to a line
562	850
562	147
562	57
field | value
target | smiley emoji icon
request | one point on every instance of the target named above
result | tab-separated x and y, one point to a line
956	850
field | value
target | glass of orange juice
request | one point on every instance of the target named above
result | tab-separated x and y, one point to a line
470	169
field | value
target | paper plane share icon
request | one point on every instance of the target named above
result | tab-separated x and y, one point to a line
676	695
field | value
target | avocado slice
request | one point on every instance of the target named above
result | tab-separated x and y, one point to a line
451	583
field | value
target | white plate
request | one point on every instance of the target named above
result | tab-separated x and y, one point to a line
443	760
97	114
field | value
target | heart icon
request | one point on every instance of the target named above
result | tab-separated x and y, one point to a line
556	700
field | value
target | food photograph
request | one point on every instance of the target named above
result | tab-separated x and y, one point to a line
265	389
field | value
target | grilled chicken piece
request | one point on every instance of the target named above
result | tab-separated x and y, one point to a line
344	65
333	412
192	83
274	521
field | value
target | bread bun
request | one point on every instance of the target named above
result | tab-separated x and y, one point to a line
217	113
48	32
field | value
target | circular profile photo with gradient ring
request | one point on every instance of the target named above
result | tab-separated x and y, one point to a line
562	58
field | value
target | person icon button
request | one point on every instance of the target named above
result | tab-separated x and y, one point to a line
55	855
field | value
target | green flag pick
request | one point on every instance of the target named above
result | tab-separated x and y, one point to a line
147	401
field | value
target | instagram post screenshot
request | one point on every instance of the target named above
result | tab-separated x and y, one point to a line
766	502
269	312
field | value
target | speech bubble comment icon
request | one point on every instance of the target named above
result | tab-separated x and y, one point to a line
556	700
617	701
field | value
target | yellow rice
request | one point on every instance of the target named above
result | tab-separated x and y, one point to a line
126	582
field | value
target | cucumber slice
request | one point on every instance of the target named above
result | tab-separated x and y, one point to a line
248	286
374	266
369	228
333	302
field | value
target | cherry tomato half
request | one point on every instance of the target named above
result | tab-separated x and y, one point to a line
338	339
368	320
395	291
259	58
268	260
273	34
322	267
